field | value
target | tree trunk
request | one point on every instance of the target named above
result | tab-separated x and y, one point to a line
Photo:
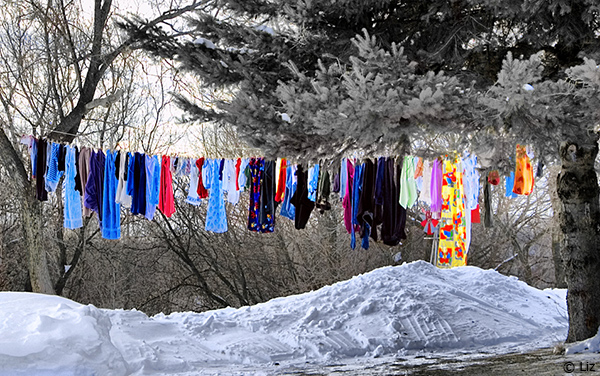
579	218
37	263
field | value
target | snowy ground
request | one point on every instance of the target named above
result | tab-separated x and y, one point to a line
392	312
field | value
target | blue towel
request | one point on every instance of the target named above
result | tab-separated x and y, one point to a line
73	212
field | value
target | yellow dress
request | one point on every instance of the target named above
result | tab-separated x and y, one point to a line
523	172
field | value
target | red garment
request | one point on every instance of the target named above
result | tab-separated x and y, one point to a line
202	192
166	201
281	183
475	216
237	173
494	177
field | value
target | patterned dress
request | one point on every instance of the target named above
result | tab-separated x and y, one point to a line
255	180
451	250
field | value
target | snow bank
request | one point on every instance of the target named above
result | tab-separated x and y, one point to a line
385	312
590	345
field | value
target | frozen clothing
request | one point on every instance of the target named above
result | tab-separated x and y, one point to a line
122	197
281	180
436	188
202	192
84	172
394	215
31	143
40	171
288	209
193	197
470	181
72	213
152	185
425	195
216	217
378	198
242	178
366	203
94	187
509	182
313	182
255	170
166	201
267	198
111	210
324	191
408	187
137	186
343	178
53	174
356	192
304	206
523	172
347	201
452	248
230	181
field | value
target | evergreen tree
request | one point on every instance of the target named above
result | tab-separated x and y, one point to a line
340	75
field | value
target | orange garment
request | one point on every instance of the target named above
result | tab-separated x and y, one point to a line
523	172
418	167
281	181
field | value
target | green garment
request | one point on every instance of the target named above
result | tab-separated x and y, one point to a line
408	185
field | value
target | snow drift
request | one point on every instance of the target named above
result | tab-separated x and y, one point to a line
388	311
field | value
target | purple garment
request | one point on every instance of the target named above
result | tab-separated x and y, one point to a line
436	187
94	188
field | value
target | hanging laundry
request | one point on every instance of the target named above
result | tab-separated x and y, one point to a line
193	197
436	188
347	200
111	210
356	192
31	143
136	187
281	180
509	182
366	203
378	198
323	192
94	187
72	212
288	209
313	182
429	224
201	190
216	217
451	249
230	181
304	206
40	171
408	187
78	186
242	178
238	165
494	177
425	194
52	174
394	215
471	179
254	168
267	197
84	172
523	172
343	178
122	197
152	185
166	201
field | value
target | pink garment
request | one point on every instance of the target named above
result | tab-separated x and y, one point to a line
436	187
347	201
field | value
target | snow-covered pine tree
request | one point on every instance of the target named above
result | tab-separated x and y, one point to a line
319	78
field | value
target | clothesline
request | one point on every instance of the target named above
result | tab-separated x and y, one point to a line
375	194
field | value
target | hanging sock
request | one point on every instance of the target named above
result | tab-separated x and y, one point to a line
72	213
166	201
111	210
523	172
